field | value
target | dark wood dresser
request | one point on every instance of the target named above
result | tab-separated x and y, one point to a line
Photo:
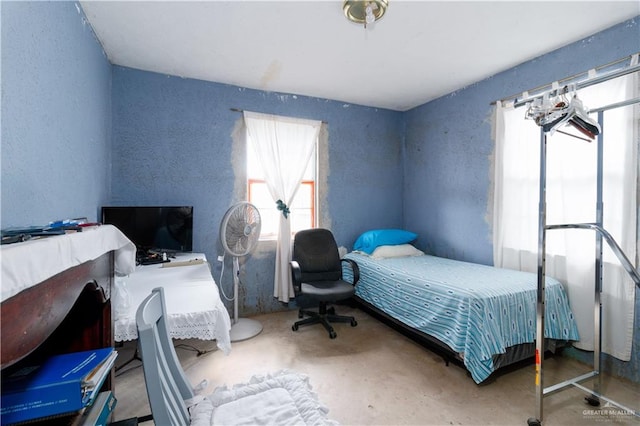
68	312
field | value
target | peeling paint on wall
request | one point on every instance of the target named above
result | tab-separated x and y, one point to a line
239	160
488	218
322	183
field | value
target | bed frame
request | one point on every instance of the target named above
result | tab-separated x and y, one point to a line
515	357
429	342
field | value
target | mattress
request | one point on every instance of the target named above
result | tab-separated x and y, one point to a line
478	311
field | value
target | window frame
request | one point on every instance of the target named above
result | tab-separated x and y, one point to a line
313	205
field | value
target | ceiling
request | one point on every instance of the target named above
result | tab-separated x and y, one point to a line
419	51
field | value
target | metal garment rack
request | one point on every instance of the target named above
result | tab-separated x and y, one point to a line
594	394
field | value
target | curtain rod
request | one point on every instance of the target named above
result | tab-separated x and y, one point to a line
241	110
547	88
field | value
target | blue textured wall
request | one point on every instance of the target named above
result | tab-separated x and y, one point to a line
56	114
449	150
172	138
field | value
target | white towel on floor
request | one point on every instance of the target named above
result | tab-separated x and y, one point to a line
284	398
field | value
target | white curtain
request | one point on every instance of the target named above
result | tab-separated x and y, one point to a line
571	198
284	146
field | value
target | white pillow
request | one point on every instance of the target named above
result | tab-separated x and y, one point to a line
283	398
400	250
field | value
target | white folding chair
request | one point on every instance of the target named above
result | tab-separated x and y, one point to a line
284	396
167	385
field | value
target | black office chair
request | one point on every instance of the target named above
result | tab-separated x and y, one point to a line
316	269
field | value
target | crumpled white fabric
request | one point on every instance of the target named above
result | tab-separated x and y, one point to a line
27	264
282	398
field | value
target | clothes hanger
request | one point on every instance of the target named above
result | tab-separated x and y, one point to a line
545	110
555	112
582	121
573	114
575	136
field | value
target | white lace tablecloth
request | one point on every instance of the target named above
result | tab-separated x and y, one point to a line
30	262
194	307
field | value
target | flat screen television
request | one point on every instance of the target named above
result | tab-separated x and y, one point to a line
154	228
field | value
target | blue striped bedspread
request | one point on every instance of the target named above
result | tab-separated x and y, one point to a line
477	310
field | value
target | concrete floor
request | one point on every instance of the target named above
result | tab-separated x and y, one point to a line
372	375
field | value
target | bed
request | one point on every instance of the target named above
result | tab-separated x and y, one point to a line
485	316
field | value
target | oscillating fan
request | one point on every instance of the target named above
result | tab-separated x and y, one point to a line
239	233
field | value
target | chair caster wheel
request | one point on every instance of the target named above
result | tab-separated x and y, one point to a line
533	422
593	401
332	335
354	323
294	327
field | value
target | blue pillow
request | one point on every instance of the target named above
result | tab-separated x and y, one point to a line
370	240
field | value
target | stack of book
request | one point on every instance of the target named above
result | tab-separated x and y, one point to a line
66	385
58	227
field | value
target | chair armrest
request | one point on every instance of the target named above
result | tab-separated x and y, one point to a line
355	269
296	276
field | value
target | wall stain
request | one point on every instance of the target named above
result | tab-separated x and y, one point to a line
271	74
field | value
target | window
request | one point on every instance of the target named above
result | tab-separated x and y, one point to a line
571	181
281	168
571	198
303	207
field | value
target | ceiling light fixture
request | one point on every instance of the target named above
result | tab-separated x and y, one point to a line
364	11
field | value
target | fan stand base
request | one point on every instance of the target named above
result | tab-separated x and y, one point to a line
244	328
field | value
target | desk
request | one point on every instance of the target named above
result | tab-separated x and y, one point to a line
194	307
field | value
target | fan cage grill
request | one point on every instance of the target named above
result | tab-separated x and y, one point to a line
240	229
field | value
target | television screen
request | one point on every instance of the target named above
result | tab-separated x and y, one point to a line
162	228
